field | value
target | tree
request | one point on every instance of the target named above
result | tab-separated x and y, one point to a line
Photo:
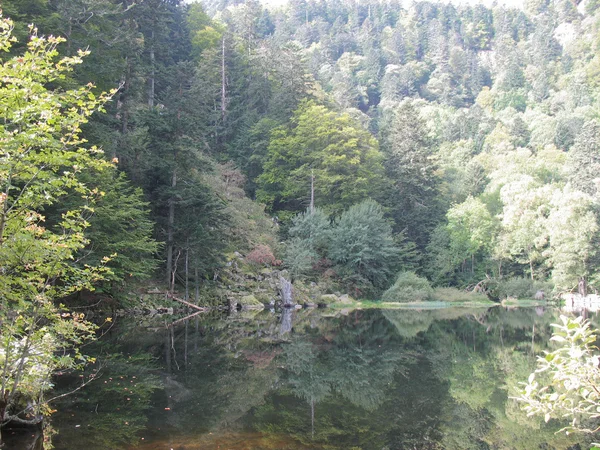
471	229
42	158
572	230
408	151
363	248
525	220
584	159
118	225
343	157
310	235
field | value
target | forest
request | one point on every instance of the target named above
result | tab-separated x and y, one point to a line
366	147
459	142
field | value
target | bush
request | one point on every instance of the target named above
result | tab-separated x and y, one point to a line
363	249
313	229
262	255
299	258
523	288
409	287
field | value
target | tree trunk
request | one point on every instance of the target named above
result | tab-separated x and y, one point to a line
196	286
223	82
170	227
531	268
187	272
125	98
312	192
151	79
582	287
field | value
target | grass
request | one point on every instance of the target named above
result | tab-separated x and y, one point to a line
523	303
453	295
441	298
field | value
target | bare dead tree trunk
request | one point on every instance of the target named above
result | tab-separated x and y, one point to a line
531	268
196	286
170	228
187	271
125	98
223	82
151	79
312	192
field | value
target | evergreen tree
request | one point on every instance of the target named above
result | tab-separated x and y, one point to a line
411	196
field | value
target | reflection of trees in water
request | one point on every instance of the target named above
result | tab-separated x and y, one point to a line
371	379
483	357
111	411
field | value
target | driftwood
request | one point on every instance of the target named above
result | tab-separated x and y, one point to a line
191	305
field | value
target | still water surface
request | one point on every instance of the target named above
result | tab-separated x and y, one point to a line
313	379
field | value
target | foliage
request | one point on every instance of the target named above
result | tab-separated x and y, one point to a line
470	227
248	225
450	294
299	258
363	249
410	168
343	158
564	384
43	159
119	227
262	255
523	288
408	287
314	229
573	226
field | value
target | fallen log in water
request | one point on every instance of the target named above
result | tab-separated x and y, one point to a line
191	305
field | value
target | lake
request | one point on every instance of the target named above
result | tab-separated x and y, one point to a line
312	379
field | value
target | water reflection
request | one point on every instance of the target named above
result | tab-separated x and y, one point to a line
372	379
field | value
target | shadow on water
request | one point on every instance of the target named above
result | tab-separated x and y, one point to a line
311	379
20	439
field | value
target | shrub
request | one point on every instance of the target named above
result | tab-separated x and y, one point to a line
262	255
313	229
363	249
299	258
409	287
523	288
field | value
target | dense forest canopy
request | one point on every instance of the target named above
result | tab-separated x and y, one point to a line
473	128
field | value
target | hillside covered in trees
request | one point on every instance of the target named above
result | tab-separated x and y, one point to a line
345	140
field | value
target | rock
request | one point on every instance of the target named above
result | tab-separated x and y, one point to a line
346	299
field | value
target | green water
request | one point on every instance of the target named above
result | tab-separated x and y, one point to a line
312	379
